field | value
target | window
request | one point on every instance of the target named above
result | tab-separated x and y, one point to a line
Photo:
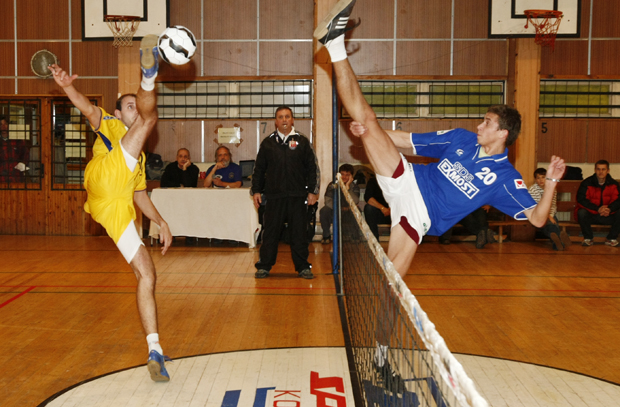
579	98
72	143
233	99
436	99
20	148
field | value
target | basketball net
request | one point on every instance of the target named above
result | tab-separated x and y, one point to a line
123	28
546	23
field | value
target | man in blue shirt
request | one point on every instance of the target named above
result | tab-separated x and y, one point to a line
473	170
225	173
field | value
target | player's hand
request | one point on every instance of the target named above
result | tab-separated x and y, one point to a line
556	168
357	129
165	237
257	200
312	198
61	77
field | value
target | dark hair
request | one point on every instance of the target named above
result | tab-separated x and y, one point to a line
509	119
540	171
119	101
4	118
346	167
601	162
227	149
183	148
282	108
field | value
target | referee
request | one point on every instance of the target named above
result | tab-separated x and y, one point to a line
287	175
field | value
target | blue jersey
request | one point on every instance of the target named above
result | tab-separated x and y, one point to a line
232	173
462	182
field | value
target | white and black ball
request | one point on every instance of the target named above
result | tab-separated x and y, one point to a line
177	45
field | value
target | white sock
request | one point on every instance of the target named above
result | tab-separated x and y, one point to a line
336	48
148	84
381	354
153	341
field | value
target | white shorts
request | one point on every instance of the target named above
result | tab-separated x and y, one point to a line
407	206
129	242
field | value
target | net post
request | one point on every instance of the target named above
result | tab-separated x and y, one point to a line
336	255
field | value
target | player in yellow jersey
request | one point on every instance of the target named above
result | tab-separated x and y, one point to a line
115	180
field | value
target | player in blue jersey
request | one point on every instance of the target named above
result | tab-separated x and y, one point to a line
473	169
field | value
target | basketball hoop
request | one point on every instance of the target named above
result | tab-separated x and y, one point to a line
546	23
123	28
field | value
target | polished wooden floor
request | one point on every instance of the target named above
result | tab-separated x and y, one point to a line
67	306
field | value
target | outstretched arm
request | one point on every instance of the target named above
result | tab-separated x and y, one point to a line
62	78
539	214
401	139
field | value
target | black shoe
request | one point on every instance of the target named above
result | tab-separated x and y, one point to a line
326	240
481	239
307	274
191	241
335	22
444	241
261	273
491	236
557	243
565	238
389	379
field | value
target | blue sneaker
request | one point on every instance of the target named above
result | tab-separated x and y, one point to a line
149	56
157	367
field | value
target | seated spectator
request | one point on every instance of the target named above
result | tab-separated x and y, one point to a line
376	211
225	173
476	223
326	214
13	156
598	203
551	230
181	173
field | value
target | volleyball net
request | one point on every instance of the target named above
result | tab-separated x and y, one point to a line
417	369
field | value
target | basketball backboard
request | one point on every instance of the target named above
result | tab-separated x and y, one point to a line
506	17
154	17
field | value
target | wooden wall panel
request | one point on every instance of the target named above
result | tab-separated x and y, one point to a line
7	50
566	138
290	20
6	21
25	51
230	59
372	58
471	18
37	86
286	58
192	69
88	61
27	217
187	14
585	18
481	57
170	135
66	215
424	19
7	86
570	57
42	19
604	141
220	14
423	58
76	18
605	19
605	57
377	19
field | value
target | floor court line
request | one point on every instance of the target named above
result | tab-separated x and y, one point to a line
7	302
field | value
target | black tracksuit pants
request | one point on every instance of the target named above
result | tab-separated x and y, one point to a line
291	210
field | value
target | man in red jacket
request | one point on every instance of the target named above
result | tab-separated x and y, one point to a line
598	203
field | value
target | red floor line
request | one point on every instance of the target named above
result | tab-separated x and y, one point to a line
513	289
7	302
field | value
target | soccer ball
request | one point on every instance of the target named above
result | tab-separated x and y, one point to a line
177	45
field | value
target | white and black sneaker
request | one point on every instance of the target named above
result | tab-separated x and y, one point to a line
335	23
389	379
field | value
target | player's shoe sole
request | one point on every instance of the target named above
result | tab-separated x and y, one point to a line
335	22
149	55
157	368
390	380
